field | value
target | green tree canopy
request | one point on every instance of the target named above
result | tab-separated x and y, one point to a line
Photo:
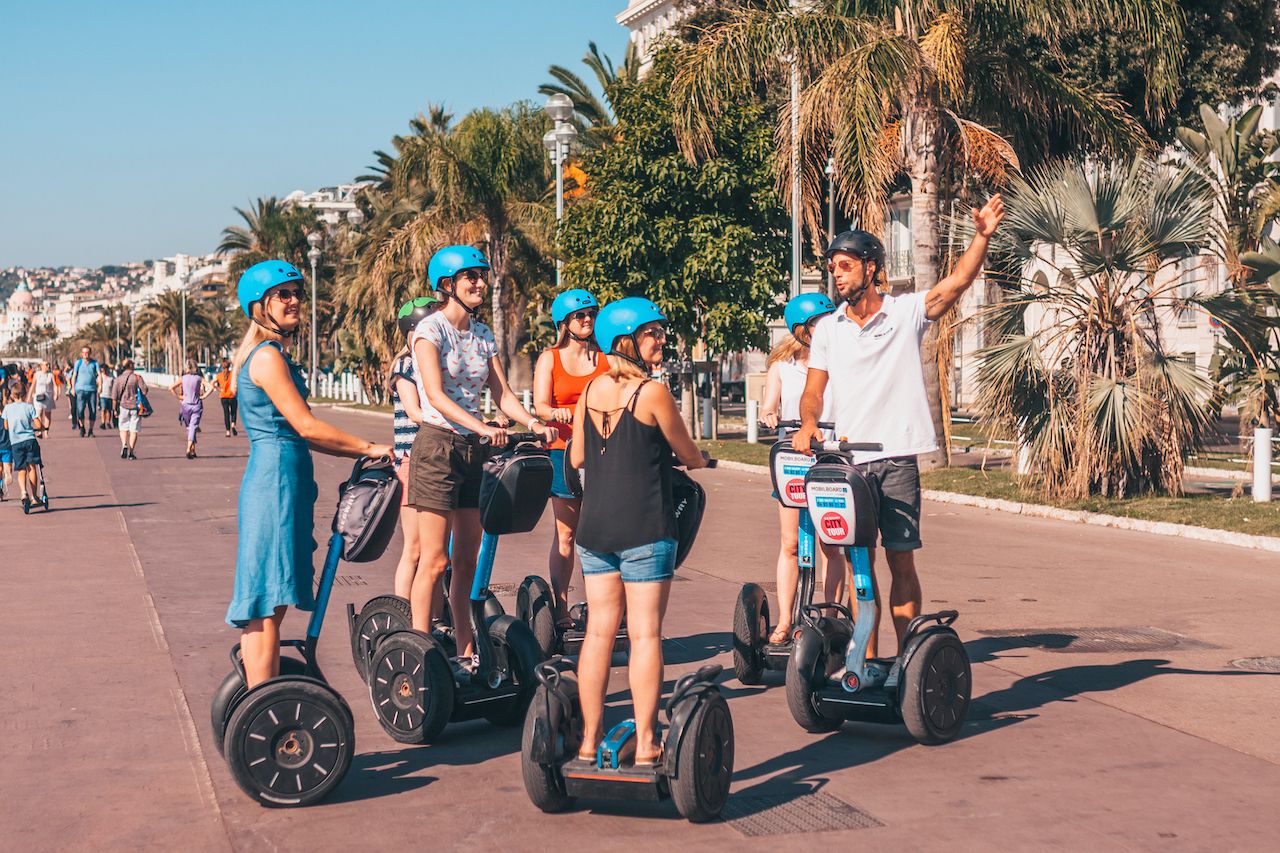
707	242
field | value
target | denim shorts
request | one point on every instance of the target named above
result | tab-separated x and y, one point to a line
642	564
559	488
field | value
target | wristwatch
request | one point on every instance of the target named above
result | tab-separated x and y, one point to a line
537	421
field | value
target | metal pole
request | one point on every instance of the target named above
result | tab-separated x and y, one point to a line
831	217
184	317
1261	465
795	177
560	153
312	374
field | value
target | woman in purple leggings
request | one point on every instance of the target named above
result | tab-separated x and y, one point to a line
191	388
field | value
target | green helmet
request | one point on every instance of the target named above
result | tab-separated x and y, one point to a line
413	311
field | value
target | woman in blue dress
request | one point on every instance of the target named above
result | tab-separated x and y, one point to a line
278	493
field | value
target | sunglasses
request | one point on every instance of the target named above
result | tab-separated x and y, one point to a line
584	314
472	276
842	266
657	333
284	294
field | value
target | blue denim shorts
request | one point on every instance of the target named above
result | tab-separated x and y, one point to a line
559	488
642	564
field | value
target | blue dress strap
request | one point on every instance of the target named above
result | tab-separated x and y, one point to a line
259	346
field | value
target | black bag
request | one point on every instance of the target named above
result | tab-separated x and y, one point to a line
572	476
368	509
690	501
515	490
842	504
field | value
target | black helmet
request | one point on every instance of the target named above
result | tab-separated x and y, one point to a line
860	244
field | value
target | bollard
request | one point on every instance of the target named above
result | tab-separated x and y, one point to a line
708	418
488	402
1261	465
526	399
753	421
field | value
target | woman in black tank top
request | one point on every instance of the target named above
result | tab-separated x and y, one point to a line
626	431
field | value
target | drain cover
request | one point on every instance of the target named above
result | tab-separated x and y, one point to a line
1097	639
785	814
503	588
1265	664
349	580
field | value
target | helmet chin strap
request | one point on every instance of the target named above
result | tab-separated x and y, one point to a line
276	329
637	362
449	294
580	339
856	297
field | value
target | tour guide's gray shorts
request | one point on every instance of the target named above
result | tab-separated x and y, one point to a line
896	481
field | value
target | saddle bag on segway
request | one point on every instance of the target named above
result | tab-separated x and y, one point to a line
515	490
368	509
788	467
842	504
572	476
690	501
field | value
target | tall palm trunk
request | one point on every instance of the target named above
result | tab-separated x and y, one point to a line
922	136
497	287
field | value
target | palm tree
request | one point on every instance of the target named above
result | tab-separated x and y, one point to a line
161	318
1080	369
907	87
271	230
594	117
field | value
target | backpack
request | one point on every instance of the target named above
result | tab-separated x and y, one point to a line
368	509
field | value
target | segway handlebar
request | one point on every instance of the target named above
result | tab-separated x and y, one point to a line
845	446
514	438
784	425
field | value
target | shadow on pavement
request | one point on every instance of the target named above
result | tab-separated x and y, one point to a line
696	648
54	507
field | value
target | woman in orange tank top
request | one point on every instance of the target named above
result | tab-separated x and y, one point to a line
559	378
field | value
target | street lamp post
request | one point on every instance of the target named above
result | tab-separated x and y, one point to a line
315	238
831	217
795	176
558	141
186	280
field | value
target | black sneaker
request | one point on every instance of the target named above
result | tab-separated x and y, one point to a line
82	432
90	433
124	453
133	456
235	431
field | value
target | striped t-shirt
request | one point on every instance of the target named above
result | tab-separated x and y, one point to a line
406	428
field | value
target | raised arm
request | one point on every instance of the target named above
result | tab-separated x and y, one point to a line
946	293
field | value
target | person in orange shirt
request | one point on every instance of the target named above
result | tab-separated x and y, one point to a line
558	379
227	393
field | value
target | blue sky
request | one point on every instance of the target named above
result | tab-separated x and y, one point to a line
129	130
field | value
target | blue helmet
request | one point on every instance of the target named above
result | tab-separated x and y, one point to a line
452	260
261	277
803	308
570	301
622	318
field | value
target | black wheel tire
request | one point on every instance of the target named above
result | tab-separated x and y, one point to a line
493	607
800	684
232	689
517	651
536	607
411	687
379	616
750	632
545	785
289	742
937	687
704	766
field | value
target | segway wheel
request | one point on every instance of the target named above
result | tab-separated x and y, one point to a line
411	687
517	652
802	678
937	688
232	690
750	631
378	617
493	607
545	784
289	742
535	607
704	765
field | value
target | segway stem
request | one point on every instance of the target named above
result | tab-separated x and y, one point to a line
326	586
805	563
864	592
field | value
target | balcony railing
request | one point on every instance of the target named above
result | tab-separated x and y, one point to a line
898	264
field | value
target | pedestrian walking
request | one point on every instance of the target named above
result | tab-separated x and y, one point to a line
84	382
867	356
625	430
455	358
106	406
125	392
227	396
6	446
558	379
45	397
191	389
278	492
19	419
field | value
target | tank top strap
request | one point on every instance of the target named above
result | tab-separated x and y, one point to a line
557	366
635	397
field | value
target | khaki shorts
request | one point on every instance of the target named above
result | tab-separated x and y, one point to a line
445	469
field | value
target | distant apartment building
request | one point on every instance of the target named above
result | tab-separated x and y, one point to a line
331	204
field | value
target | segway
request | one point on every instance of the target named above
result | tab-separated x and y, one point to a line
752	651
290	740
695	769
385	614
830	679
411	687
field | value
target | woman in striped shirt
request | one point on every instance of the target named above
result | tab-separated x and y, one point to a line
403	390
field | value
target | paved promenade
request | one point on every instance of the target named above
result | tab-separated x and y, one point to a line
1143	736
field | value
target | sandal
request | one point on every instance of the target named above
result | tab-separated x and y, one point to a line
652	761
780	635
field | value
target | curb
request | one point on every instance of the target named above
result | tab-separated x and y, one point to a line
1117	522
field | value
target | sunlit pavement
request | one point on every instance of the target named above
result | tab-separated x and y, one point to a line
115	641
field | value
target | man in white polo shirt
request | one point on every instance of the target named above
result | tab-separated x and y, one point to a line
870	350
